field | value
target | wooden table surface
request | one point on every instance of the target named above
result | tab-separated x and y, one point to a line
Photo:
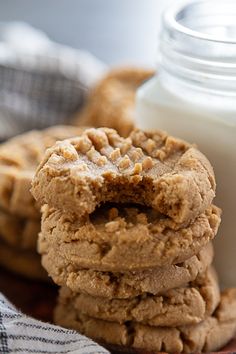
38	299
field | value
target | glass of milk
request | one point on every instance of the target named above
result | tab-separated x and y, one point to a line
193	96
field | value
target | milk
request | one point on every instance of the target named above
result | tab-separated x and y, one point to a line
208	120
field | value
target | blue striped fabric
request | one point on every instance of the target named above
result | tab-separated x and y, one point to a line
22	334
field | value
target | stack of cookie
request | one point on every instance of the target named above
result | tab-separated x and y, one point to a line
19	214
126	232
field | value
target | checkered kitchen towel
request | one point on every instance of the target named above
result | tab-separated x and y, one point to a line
41	82
22	334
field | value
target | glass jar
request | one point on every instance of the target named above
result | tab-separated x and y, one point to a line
193	96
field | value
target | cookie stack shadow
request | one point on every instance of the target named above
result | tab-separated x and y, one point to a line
19	213
126	232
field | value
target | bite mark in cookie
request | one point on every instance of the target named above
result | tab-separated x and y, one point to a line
151	169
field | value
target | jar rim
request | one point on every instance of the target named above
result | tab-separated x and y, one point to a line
198	43
170	19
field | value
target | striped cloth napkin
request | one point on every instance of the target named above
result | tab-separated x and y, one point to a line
22	334
42	83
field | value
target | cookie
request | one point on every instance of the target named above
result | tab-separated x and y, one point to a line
19	158
125	285
25	263
186	305
209	335
111	102
152	169
123	238
21	233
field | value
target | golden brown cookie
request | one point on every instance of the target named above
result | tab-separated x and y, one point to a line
209	335
25	263
123	238
186	305
21	233
125	285
151	169
111	102
19	158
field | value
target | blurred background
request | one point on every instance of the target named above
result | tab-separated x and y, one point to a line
116	31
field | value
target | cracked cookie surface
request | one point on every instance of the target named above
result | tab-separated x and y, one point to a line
123	238
209	335
19	158
189	304
152	169
129	284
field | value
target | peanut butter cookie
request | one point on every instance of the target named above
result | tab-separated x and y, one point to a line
125	285
209	335
186	305
21	233
111	102
123	238
19	158
151	169
22	262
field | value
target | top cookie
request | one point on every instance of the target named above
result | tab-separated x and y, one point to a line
151	169
19	158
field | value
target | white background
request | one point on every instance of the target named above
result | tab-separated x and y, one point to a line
117	31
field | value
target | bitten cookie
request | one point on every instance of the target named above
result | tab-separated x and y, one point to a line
19	158
111	102
21	233
140	237
125	285
209	335
25	263
151	169
186	305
